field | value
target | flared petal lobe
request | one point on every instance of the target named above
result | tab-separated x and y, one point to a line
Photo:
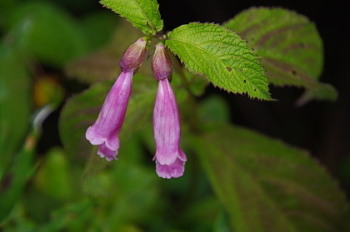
173	170
104	132
170	159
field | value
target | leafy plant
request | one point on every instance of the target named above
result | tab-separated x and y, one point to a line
259	183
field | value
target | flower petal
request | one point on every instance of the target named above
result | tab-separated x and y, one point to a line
104	152
105	130
94	138
173	170
166	124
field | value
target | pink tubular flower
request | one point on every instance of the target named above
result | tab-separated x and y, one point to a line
169	157
104	132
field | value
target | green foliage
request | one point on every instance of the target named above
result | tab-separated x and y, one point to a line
266	185
98	28
263	185
289	45
15	104
57	167
222	56
47	33
143	14
14	181
103	64
214	109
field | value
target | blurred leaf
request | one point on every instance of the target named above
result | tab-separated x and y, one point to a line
12	184
215	109
127	191
18	221
54	172
202	213
135	196
47	33
74	217
222	56
15	105
289	45
222	223
143	14
98	28
6	7
104	64
82	110
319	91
266	185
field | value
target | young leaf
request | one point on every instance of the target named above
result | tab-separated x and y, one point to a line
289	45
266	185
82	110
143	14
222	56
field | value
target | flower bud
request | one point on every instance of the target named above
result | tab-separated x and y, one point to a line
133	56
161	64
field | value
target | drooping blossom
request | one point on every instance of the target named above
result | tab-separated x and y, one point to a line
169	157
104	132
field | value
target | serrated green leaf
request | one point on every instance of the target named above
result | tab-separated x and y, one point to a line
82	110
266	185
222	56
289	45
143	14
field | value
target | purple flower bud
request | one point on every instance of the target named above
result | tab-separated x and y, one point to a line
170	159
133	56
104	132
161	64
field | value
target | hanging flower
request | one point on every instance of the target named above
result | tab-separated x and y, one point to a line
104	132
169	157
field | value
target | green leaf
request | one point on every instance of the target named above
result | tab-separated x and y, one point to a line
82	110
103	64
215	109
267	185
143	14
15	104
47	33
289	45
222	56
73	217
98	28
55	171
14	181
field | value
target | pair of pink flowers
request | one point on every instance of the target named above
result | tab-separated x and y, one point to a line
169	157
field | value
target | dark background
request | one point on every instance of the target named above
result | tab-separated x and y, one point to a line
320	127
